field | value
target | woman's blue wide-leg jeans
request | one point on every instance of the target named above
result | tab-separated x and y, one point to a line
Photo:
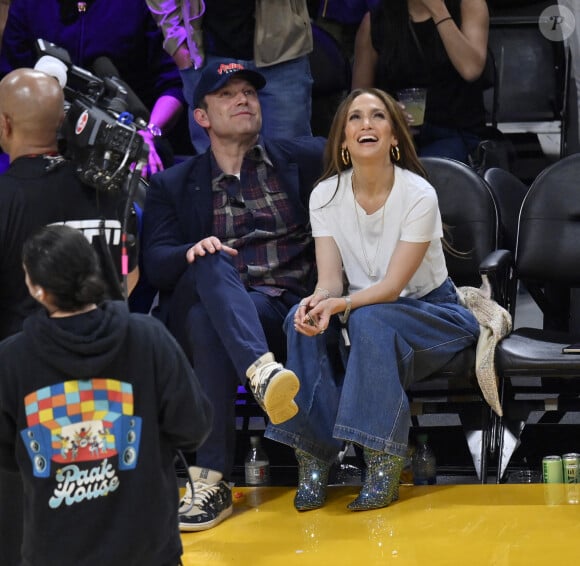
392	346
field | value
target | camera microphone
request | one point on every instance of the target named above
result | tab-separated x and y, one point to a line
53	67
104	68
119	102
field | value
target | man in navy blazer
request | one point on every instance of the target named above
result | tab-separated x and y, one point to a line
227	242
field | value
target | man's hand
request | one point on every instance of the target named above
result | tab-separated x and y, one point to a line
154	163
184	59
209	245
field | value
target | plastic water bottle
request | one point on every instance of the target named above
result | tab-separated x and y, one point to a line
424	464
407	473
257	465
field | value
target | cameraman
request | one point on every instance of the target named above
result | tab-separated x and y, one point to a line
41	188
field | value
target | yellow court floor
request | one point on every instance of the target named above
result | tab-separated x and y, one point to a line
511	524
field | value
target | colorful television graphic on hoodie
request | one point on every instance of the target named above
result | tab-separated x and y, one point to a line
81	421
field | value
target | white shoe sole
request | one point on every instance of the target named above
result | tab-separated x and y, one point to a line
195	527
279	397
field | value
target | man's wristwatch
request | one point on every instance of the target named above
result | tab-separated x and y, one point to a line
154	130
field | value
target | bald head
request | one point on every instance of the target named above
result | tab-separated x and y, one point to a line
31	111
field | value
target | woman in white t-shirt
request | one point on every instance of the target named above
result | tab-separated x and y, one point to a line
376	224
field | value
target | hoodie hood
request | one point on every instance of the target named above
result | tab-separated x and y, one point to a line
82	345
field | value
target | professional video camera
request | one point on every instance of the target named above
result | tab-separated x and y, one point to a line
100	132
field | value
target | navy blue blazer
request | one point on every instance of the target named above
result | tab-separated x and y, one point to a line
178	208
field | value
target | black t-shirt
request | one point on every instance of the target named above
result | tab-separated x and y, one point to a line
421	61
228	27
40	190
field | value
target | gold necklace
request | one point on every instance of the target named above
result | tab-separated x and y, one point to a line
371	267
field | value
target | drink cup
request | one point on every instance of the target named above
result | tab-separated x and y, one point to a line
554	494
414	101
572	493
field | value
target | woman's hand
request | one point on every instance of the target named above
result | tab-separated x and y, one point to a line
209	245
303	320
408	117
313	314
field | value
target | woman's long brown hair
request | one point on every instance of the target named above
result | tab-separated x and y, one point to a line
333	164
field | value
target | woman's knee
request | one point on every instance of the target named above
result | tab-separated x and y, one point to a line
371	318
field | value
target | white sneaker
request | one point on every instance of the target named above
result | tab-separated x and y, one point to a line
274	387
207	504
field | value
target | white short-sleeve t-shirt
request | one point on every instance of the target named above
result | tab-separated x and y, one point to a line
411	214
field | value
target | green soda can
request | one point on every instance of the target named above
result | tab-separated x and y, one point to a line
552	469
570	467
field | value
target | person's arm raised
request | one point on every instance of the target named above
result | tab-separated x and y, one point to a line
466	46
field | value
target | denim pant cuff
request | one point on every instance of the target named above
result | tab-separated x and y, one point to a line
365	440
297	441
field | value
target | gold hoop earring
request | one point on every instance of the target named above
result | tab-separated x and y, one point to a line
395	153
345	155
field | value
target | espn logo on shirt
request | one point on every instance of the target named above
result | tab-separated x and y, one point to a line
92	228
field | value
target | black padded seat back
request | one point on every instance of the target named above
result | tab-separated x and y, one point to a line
548	246
469	214
531	71
508	192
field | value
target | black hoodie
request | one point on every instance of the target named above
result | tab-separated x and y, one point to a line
92	408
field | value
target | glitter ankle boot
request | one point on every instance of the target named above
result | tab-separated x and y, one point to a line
312	481
381	485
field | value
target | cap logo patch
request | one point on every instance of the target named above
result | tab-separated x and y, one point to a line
226	68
